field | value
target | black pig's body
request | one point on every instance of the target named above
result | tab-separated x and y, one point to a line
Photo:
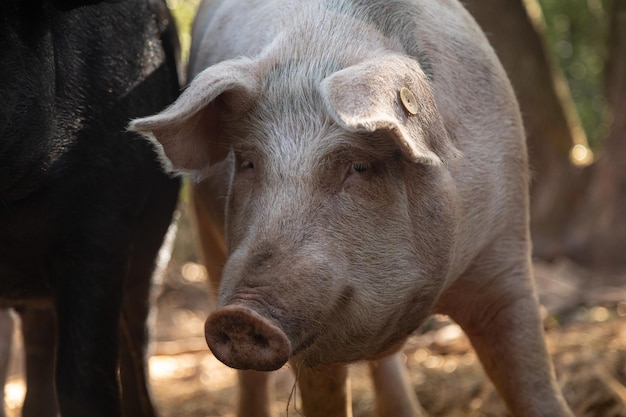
84	205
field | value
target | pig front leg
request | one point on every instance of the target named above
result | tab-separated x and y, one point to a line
88	304
255	394
394	393
325	391
138	299
6	341
134	339
87	353
501	318
39	332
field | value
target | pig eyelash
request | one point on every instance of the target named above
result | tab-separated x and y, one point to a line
360	167
247	165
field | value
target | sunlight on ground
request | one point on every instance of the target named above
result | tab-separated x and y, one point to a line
213	374
14	392
171	367
187	320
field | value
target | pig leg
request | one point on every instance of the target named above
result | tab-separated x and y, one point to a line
394	394
6	340
501	318
134	338
88	304
255	394
86	377
39	332
137	302
325	391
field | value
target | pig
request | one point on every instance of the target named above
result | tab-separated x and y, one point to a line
376	173
84	205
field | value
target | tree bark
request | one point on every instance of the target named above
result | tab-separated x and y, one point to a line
597	236
551	122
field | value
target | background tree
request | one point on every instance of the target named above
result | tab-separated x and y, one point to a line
576	209
597	233
551	121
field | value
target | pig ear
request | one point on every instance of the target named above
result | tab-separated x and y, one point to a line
390	93
189	133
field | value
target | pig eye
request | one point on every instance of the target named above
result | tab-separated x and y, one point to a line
360	167
247	165
358	171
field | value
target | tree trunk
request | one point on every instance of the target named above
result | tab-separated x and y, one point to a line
551	122
597	237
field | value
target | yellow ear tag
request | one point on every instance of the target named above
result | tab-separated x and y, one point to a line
408	100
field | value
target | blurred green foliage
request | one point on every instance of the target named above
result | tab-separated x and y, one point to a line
577	35
184	12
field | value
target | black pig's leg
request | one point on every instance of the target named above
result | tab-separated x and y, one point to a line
137	301
39	331
88	310
134	338
6	341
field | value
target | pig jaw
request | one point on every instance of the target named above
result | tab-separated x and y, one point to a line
242	337
314	315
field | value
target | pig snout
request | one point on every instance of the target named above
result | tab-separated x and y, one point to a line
243	339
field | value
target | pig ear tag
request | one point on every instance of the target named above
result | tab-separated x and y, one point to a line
408	100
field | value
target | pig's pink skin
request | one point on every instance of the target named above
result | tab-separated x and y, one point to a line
316	275
348	219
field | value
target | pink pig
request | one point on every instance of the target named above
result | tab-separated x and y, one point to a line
375	172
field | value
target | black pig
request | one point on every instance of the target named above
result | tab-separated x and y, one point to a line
84	205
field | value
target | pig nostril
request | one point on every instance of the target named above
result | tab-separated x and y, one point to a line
243	339
223	338
260	341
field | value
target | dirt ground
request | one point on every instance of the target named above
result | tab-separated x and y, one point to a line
587	342
585	319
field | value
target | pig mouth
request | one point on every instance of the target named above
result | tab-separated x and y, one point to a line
252	332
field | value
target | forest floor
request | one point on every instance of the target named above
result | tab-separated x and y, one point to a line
585	330
584	316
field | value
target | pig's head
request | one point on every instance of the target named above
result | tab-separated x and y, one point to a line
339	220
